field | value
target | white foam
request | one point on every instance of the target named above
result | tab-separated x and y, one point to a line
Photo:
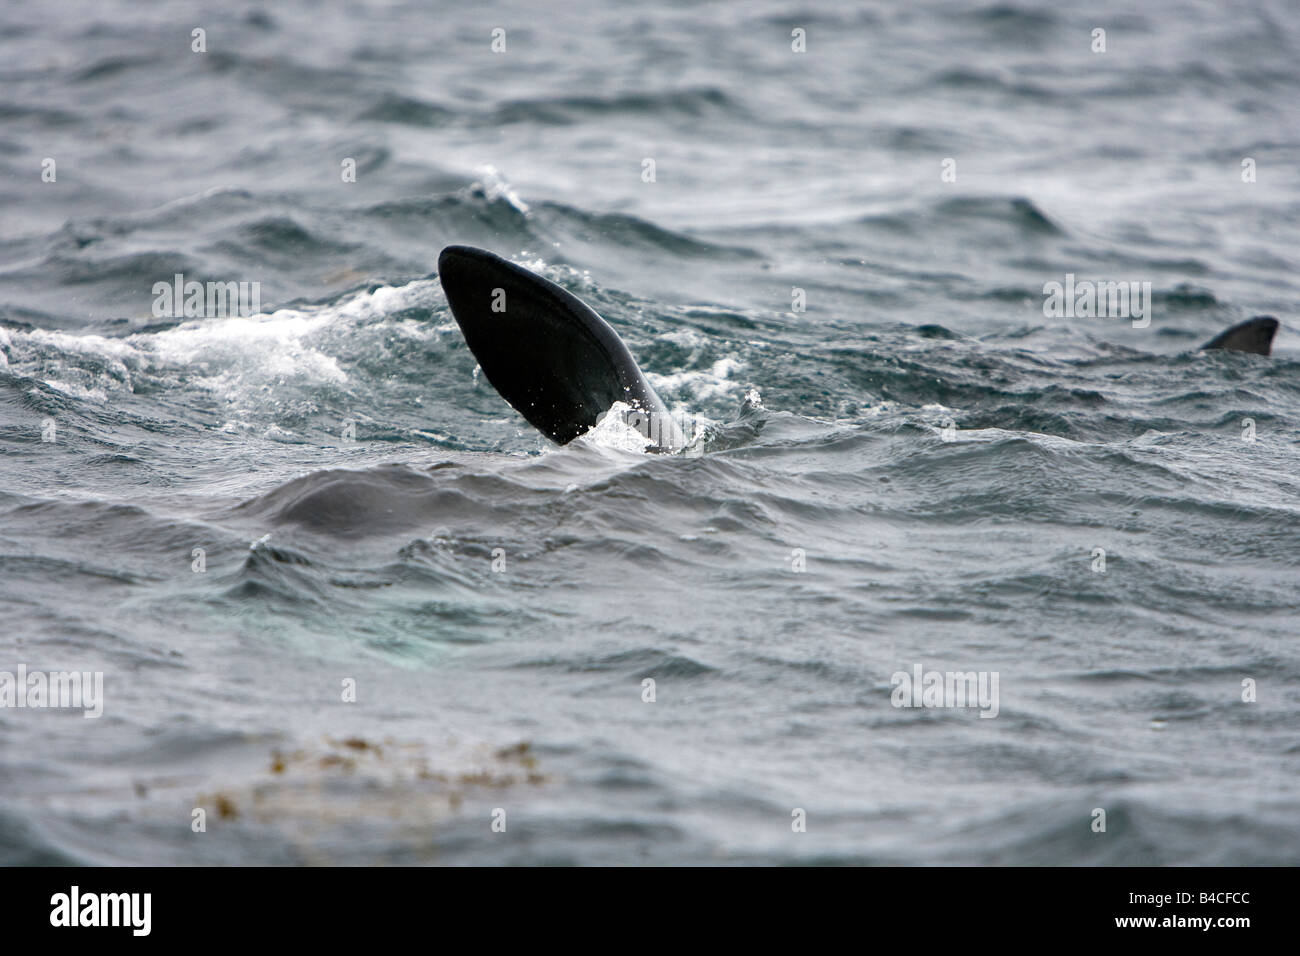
92	393
700	384
236	358
687	338
262	348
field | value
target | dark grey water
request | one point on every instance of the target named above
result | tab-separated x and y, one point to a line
941	458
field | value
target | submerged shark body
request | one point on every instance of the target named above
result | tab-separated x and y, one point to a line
563	367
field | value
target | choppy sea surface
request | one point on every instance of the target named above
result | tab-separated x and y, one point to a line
347	603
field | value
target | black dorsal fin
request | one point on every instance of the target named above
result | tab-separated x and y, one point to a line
1254	335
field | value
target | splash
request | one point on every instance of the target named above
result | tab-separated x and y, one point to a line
494	187
613	431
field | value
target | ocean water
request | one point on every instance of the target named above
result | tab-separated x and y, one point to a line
347	603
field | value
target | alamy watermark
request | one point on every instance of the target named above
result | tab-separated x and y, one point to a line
1103	300
132	911
923	688
53	689
179	299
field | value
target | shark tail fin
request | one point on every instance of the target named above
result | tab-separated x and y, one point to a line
546	351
